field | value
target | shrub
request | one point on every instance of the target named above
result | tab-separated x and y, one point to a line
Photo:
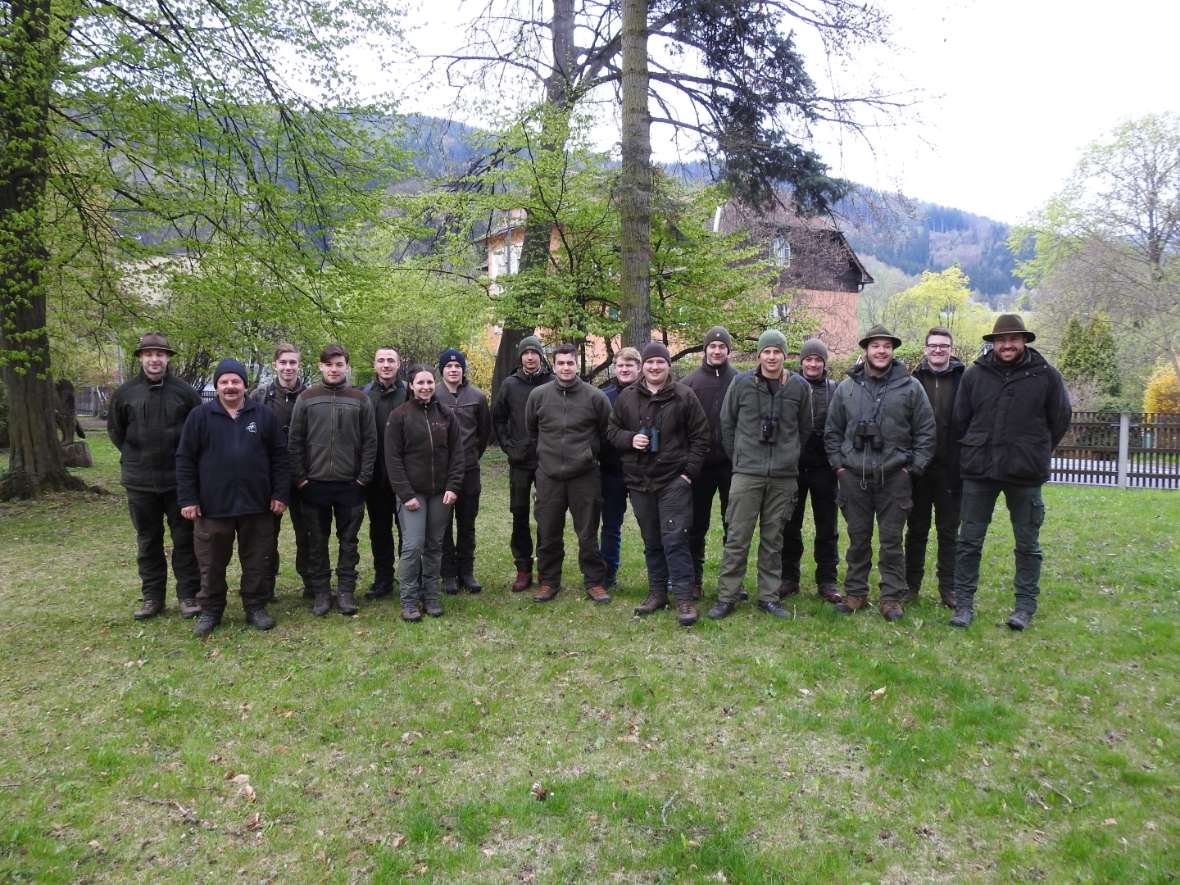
1163	391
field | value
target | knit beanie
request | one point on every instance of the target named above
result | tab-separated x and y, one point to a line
719	333
451	355
814	347
655	349
529	342
772	338
229	366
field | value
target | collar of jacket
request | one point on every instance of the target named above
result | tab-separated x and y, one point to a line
397	385
1031	360
289	391
543	373
717	370
571	386
343	384
425	406
783	379
821	381
663	393
956	365
896	371
149	382
247	406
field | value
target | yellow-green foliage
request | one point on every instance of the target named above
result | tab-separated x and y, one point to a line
1163	391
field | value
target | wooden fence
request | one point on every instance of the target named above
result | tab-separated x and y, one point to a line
1121	449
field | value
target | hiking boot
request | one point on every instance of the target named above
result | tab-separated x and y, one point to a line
259	619
546	592
721	610
189	608
963	617
523	581
850	604
379	589
653	602
788	588
1020	619
322	604
698	592
891	610
908	597
149	608
829	593
947	598
598	593
450	586
686	612
468	582
433	607
773	608
410	611
346	603
205	624
743	596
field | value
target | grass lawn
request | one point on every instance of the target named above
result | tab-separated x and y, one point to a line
571	742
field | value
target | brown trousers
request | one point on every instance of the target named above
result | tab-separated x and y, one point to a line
214	542
582	497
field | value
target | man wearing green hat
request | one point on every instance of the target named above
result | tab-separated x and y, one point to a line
879	433
764	416
1011	411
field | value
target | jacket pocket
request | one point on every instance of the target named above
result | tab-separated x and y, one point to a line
973	449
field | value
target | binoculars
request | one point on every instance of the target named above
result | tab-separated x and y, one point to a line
653	438
867	434
769	428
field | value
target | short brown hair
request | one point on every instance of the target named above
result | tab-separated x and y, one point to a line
332	351
285	347
566	348
938	330
628	353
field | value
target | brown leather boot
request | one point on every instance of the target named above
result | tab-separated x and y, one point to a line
189	608
891	610
655	600
829	593
788	588
686	612
850	604
598	593
947	597
149	609
546	592
523	581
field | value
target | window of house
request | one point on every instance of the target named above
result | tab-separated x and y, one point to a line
780	251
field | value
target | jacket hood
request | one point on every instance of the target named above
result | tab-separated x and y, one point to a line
956	367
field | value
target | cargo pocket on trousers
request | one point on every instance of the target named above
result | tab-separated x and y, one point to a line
1038	514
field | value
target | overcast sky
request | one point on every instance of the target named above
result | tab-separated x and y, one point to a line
1009	92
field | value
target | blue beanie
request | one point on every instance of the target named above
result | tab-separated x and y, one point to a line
451	355
230	366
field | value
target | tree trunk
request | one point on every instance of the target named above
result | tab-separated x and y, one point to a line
35	460
535	250
635	179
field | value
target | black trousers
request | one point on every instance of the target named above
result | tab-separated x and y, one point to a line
214	540
820	484
520	481
459	559
382	506
299	526
582	496
664	519
149	512
933	490
348	518
713	479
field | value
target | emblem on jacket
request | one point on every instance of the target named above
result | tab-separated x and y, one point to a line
252	427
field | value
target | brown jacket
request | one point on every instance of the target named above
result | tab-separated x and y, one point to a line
684	434
423	452
566	426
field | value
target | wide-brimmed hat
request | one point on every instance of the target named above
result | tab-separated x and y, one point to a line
153	341
879	331
1009	324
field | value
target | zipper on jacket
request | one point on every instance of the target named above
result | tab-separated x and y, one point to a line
430	437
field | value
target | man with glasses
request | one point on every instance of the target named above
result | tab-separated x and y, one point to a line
939	487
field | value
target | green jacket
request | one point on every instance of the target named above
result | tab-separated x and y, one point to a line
566	427
748	408
144	422
333	436
898	406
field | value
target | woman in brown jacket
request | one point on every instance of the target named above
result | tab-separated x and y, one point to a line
424	461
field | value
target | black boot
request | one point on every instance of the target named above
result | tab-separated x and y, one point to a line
432	606
259	618
381	588
1020	619
469	583
721	610
189	608
322	604
450	585
346	603
206	622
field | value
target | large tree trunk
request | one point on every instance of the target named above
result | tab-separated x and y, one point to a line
35	461
535	250
635	179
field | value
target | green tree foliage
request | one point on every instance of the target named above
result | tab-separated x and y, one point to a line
939	299
181	165
1163	391
1109	242
1088	355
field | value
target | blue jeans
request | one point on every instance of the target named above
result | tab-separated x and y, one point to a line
1027	512
614	508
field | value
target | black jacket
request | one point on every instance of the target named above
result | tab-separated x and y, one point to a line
423	450
384	400
508	415
232	467
279	401
610	459
144	422
941	389
1008	420
684	434
470	408
567	426
709	383
823	389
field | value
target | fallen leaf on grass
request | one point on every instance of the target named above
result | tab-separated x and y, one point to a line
538	792
398	840
255	822
806	692
94	845
1109	822
248	792
237	778
878	693
216	758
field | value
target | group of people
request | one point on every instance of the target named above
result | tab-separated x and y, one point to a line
884	446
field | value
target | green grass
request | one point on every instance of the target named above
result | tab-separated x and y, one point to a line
751	749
